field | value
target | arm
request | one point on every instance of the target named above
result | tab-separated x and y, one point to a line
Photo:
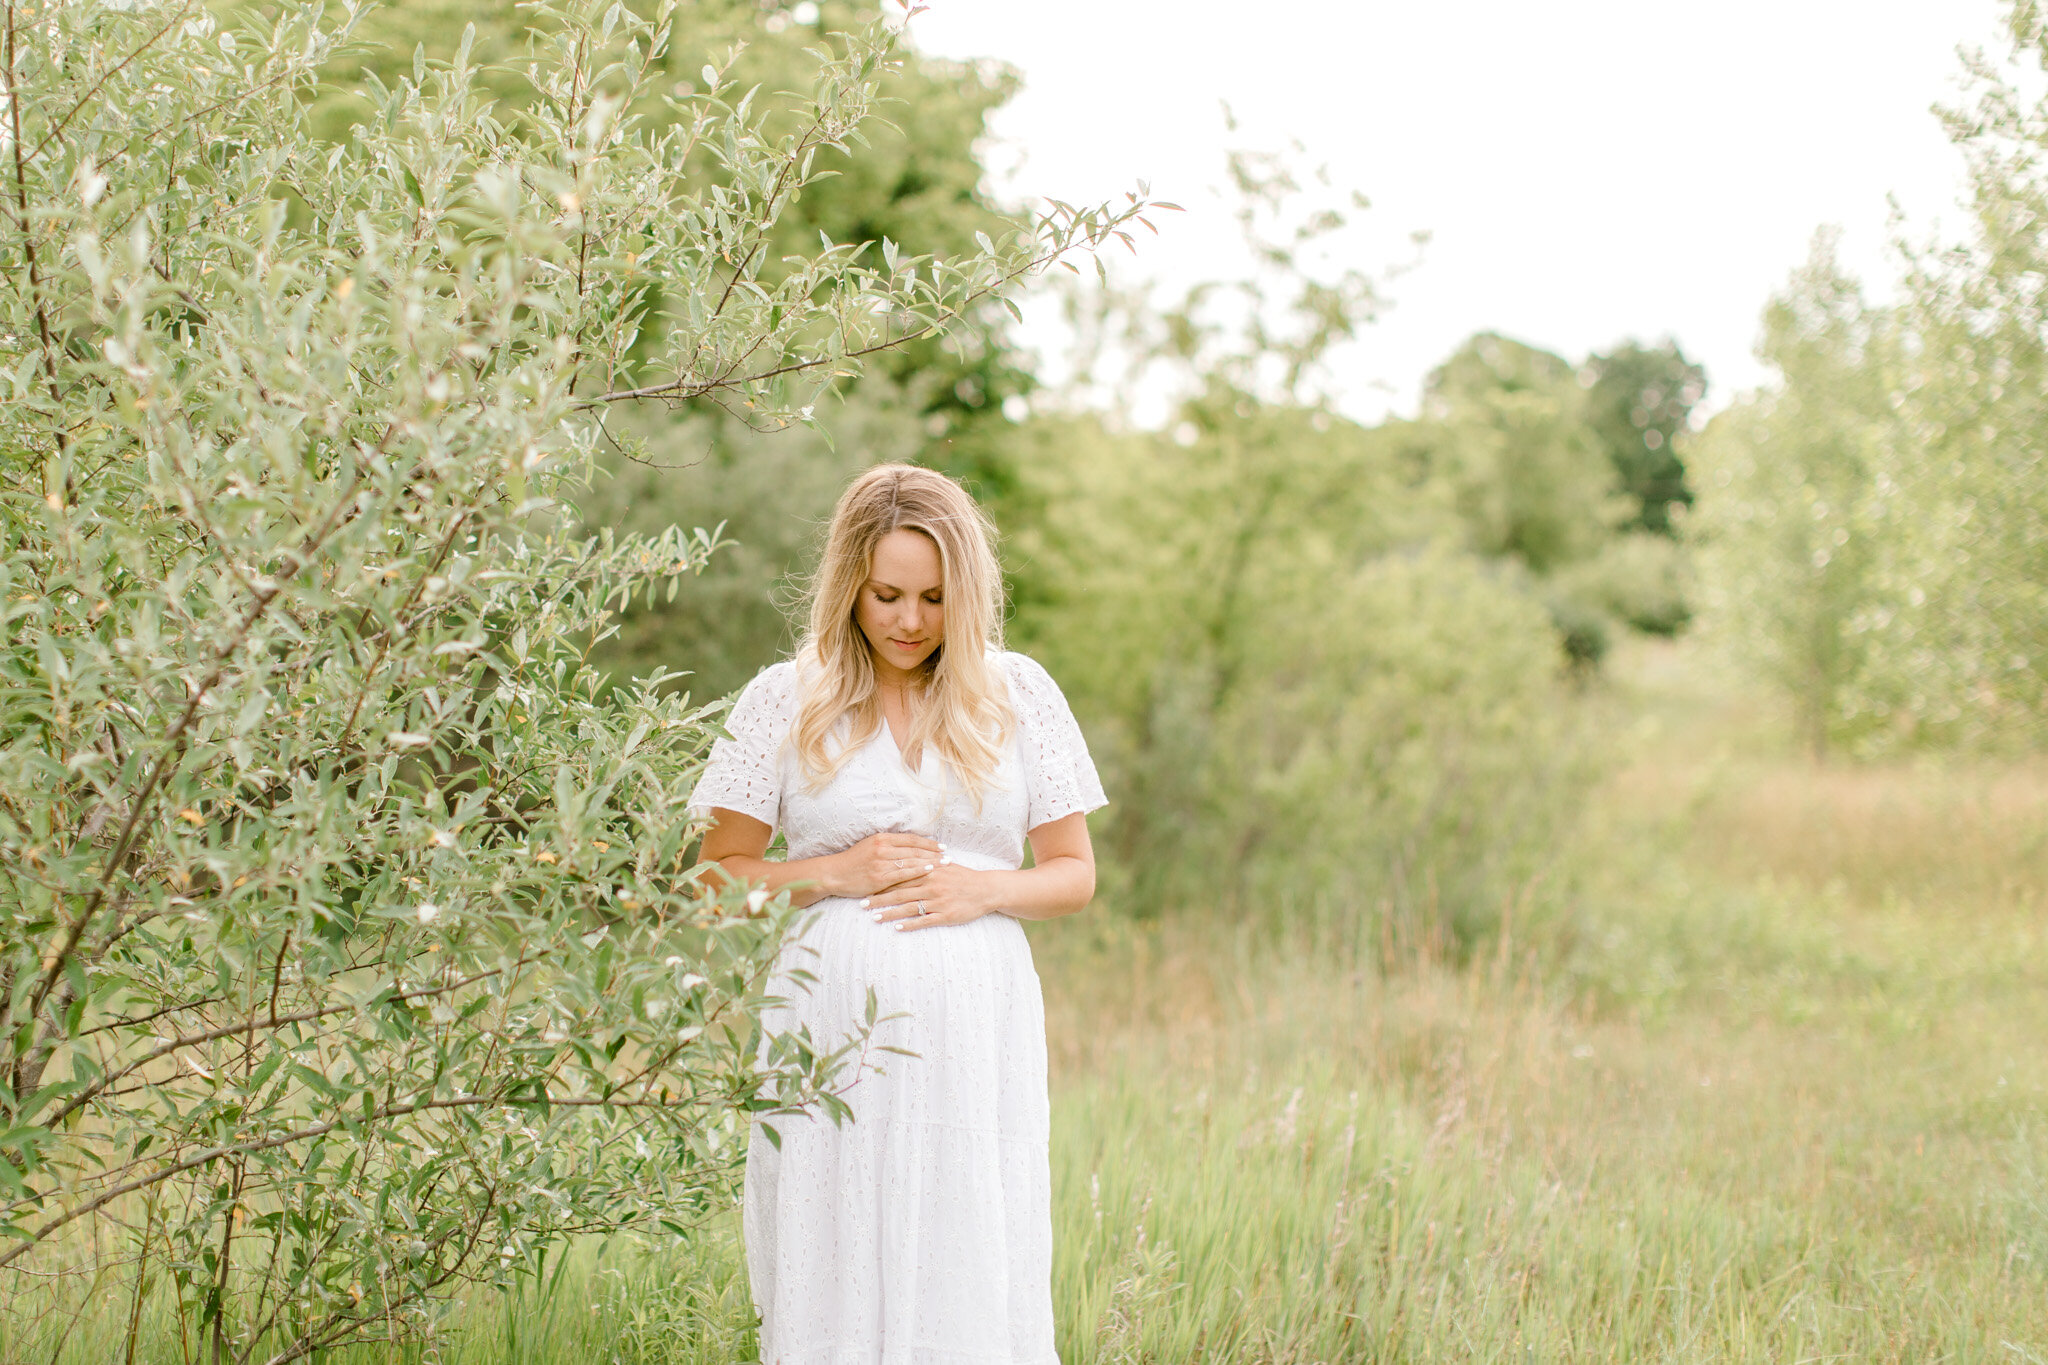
1061	882
736	842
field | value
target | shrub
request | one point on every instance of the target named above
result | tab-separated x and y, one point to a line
349	947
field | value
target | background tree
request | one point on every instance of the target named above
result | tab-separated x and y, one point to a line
1639	404
1297	671
1505	425
1797	492
1975	667
349	946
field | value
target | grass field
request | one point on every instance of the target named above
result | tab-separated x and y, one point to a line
1761	1075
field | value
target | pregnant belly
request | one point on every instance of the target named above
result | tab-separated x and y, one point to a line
963	1000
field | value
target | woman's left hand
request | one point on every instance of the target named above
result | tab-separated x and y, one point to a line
948	894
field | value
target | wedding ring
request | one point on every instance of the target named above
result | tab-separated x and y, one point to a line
921	911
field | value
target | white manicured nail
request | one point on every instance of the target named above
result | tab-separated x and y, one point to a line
863	902
876	917
927	867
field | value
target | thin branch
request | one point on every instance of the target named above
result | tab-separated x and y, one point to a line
248	1025
57	130
47	344
53	966
682	389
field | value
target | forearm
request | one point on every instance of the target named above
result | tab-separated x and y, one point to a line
1055	887
808	880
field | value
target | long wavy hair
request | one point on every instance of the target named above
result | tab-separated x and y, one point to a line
963	714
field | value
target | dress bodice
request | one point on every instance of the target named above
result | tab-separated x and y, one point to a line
1045	773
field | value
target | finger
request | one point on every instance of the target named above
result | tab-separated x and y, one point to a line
894	880
896	893
893	913
916	922
904	898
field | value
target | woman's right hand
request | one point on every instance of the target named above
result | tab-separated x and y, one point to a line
879	862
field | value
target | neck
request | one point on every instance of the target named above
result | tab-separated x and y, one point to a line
890	678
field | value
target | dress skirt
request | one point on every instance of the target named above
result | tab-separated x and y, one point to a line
920	1231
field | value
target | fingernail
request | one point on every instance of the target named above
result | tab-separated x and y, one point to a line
863	902
927	867
901	927
876	917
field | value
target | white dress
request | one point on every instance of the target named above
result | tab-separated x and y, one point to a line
919	1233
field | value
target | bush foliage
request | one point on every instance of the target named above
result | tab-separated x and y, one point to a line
351	944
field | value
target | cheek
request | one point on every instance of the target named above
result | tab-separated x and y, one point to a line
865	612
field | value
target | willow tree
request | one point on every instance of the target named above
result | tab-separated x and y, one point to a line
349	944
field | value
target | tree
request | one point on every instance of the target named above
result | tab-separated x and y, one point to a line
1314	702
1878	541
1798	504
1975	402
1304	691
349	946
916	180
1639	404
1504	424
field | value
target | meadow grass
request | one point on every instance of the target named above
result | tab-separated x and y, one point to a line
1760	1074
1764	1082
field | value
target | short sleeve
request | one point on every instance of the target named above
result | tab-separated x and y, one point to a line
1059	776
744	772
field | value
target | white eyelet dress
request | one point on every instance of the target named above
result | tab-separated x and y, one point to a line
920	1233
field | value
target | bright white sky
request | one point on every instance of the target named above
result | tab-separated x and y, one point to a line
1590	169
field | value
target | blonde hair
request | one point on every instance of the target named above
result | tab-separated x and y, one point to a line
966	716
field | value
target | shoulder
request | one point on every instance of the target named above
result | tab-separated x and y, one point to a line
1037	697
777	679
1026	674
774	691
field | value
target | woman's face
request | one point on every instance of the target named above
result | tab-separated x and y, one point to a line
901	609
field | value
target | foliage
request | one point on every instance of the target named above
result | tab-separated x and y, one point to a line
1639	578
772	494
350	945
1877	543
1977	407
915	178
1303	693
1798	489
1504	425
1639	402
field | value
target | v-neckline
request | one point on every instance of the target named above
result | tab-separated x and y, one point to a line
896	747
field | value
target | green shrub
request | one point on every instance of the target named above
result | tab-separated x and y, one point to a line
348	946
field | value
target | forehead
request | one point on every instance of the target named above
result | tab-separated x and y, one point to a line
908	560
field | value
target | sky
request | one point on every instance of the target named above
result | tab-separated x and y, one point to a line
1589	170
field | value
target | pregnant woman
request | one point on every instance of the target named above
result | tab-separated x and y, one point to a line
907	759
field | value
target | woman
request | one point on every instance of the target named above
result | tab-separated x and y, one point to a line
907	759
